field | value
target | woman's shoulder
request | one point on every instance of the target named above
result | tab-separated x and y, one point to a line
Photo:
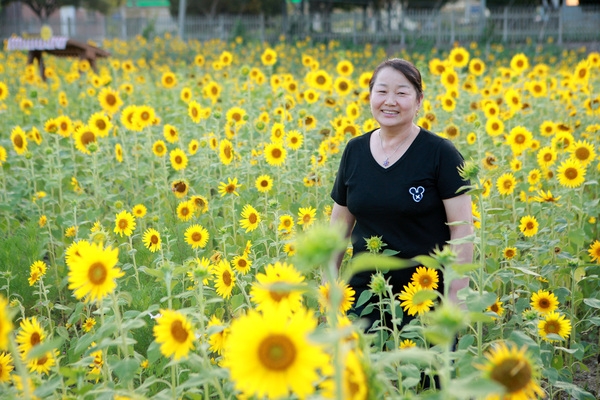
434	140
360	139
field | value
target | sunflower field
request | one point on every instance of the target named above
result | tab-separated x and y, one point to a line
164	225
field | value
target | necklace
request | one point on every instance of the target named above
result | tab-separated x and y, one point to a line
386	162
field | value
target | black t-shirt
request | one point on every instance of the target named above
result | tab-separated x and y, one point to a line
401	203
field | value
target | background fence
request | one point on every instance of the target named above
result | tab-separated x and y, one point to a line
406	27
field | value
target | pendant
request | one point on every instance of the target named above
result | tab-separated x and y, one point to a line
386	162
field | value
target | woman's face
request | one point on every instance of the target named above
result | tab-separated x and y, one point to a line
394	100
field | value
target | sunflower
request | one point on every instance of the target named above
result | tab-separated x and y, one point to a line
286	223
268	57
196	236
88	325
545	197
200	203
528	225
448	102
250	218
180	188
538	88
546	157
343	86
19	140
83	137
275	154
320	80
185	210
513	369
109	100
583	151
174	333
159	148
509	252
237	116
218	333
224	278
594	251
6	366
311	96
144	116
168	80
476	67
100	124
226	152
44	363
519	139
426	278
264	183
346	301
582	72
199	60
269	354
30	335
555	324
496	308
195	111
3	91
124	223
212	91
458	57
6	325
127	117
452	131
571	173
306	216
229	188
178	159
519	63
280	285
449	79
513	99
354	384
506	183
185	94
544	302
344	68
170	133
407	297
241	264
562	140
92	272
151	240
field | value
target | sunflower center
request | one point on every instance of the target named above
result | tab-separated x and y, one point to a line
159	149
169	80
230	188
185	211
154	239
547	157
320	80
264	183
520	139
178	160
278	295
42	360
513	374
227	151
544	303
227	278
111	100
425	281
529	225
582	153
194	112
18	141
306	218
494	308
178	331
277	352
35	338
552	327
343	86
101	124
87	138
252	218
507	184
180	187
97	273
123	224
571	173
196	236
276	153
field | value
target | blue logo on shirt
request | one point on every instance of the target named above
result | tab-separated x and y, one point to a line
417	193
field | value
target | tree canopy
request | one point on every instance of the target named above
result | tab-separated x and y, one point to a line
44	8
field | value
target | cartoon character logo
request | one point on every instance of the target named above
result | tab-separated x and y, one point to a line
417	193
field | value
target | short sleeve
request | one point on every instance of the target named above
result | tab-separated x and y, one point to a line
449	179
339	192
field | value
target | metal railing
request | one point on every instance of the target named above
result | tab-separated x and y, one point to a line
408	27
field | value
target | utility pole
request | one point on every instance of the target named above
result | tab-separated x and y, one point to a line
181	19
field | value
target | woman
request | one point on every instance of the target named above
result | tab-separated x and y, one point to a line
401	182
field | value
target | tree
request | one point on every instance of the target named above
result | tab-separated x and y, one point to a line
44	8
214	7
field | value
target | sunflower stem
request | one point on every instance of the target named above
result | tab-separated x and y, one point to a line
137	275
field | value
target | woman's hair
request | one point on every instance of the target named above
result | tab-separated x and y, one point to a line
406	68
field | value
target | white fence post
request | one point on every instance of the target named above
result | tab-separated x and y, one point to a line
505	25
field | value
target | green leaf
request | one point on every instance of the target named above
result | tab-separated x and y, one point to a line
424	295
43	348
477	302
594	303
428	261
462	269
364	297
474	387
577	237
575	391
125	369
49	387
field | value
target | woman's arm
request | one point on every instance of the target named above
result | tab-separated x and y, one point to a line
458	209
342	218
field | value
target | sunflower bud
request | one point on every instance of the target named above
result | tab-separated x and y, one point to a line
318	245
378	284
